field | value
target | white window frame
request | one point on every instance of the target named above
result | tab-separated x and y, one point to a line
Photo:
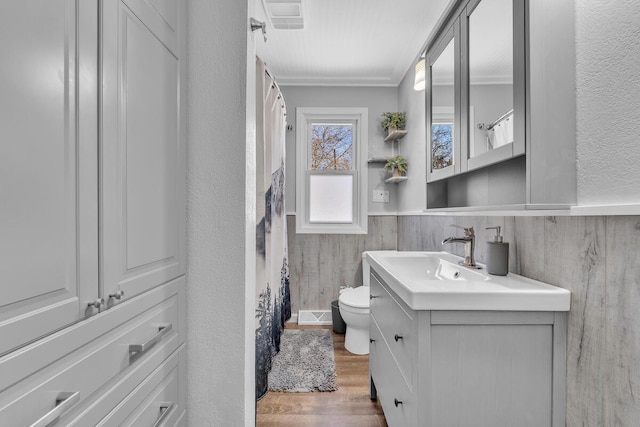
305	116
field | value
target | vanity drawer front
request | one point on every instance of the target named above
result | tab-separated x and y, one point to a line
156	400
93	367
398	326
396	397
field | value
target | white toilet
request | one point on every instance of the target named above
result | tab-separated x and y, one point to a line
354	309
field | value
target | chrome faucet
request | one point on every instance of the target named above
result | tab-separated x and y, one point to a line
469	241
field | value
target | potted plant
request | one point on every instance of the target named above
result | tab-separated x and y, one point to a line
397	165
392	121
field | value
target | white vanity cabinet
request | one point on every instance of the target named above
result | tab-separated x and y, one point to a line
93	213
466	368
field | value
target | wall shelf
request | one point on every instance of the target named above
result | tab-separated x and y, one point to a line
395	179
395	135
377	160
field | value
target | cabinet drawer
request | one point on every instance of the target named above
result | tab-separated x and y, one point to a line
397	325
396	397
156	400
92	367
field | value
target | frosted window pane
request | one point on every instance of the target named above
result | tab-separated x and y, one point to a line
331	198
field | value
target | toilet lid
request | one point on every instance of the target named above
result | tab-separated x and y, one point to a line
356	297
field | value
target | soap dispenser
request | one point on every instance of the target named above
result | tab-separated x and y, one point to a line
497	254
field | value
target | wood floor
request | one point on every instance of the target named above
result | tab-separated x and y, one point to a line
349	406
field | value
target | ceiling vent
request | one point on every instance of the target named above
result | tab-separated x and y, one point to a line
284	14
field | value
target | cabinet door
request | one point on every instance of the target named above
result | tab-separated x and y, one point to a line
142	149
48	167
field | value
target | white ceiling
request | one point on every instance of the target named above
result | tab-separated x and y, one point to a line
350	42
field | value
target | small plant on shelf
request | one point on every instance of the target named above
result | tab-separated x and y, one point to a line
397	165
392	121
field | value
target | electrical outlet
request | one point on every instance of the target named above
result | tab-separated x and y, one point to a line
380	196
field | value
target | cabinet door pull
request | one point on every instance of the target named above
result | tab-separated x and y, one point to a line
373	296
64	401
397	337
165	409
96	304
397	402
371	340
141	348
118	295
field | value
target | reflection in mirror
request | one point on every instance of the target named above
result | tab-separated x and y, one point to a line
442	109
490	76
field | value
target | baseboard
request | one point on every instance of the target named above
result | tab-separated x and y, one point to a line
293	318
314	317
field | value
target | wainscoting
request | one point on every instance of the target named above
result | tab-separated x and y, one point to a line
598	259
320	263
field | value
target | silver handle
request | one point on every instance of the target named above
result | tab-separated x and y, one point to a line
117	295
165	409
141	348
257	25
64	401
96	304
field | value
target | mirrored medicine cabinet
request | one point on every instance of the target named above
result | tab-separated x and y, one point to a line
482	68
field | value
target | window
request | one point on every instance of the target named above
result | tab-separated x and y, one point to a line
441	145
330	170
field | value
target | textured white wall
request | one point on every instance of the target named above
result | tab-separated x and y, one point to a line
607	100
221	215
378	100
412	194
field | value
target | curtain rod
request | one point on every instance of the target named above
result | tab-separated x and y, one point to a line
495	122
273	79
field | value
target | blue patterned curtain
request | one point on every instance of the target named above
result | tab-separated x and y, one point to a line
273	306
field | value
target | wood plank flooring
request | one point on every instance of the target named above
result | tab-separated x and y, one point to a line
349	406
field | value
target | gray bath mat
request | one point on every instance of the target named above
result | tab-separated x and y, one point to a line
305	362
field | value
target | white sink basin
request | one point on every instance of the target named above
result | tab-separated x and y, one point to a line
435	281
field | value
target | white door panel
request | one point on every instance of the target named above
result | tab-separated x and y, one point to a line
142	150
46	205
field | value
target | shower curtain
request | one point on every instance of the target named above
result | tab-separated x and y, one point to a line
273	305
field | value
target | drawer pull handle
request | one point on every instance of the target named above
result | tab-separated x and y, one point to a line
118	295
371	340
397	337
96	304
141	348
397	402
64	401
165	409
373	296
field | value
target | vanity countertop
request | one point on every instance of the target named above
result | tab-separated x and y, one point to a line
435	281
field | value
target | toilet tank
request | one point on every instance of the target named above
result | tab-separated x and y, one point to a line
365	270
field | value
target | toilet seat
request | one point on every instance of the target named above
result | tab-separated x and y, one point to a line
355	297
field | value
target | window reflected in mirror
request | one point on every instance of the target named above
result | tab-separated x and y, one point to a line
442	109
490	76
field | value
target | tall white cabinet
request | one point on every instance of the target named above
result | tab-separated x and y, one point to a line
92	213
48	168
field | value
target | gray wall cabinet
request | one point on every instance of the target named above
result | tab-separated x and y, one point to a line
538	169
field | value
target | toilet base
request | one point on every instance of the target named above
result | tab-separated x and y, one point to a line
356	341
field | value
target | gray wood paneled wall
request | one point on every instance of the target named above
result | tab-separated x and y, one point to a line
320	264
598	259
